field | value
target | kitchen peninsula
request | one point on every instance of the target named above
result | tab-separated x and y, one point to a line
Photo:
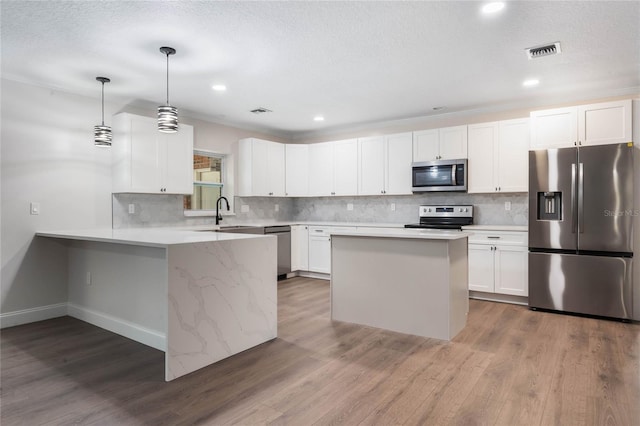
198	296
405	280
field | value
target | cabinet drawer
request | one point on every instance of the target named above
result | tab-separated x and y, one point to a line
315	231
513	238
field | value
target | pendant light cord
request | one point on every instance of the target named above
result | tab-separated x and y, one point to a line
167	78
103	103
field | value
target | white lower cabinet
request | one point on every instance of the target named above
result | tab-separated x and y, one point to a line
299	248
498	262
320	247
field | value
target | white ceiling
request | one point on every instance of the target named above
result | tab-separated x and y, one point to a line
353	62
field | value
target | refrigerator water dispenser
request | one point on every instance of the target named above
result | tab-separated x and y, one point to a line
550	205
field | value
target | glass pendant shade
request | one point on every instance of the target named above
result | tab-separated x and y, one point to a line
167	114
167	119
102	133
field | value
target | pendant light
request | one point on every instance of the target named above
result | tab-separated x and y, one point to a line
167	114
102	133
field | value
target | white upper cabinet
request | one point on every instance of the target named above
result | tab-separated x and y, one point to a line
345	172
426	145
595	124
321	169
296	170
385	164
499	156
605	123
398	158
261	168
513	156
145	160
482	147
449	143
371	166
333	168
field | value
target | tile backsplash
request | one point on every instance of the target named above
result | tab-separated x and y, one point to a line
155	210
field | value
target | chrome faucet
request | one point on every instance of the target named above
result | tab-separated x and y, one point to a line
218	215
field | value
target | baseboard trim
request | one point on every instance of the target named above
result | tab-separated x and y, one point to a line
119	326
26	316
308	274
502	298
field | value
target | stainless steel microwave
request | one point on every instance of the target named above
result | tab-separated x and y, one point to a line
439	175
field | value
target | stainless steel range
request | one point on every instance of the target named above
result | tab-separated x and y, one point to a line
444	217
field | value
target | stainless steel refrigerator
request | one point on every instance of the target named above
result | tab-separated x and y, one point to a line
581	230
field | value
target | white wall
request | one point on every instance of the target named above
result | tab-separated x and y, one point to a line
48	157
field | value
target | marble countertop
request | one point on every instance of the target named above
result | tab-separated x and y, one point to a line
518	228
149	237
307	223
423	234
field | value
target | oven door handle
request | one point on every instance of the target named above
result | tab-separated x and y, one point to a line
453	174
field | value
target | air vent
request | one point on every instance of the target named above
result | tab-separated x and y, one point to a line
545	50
260	110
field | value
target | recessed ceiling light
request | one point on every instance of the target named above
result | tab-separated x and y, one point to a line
318	118
493	7
531	82
219	87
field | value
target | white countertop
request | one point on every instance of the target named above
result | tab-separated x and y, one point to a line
518	228
424	234
149	237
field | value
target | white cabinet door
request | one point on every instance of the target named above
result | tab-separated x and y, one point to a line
259	168
398	155
345	167
299	248
297	170
554	128
147	161
371	166
511	276
453	143
275	169
426	145
319	253
321	169
482	142
177	150
145	167
604	123
512	152
481	268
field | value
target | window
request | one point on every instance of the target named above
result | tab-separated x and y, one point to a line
208	174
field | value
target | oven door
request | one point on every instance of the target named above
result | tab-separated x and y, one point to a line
440	175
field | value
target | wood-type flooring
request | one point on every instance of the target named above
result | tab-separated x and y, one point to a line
509	366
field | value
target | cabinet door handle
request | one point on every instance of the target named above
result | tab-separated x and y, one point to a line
493	238
499	189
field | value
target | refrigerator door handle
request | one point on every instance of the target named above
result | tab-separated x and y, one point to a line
573	198
581	198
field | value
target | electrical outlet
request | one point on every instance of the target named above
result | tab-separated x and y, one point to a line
350	206
88	278
35	208
277	207
132	208
244	208
393	207
507	205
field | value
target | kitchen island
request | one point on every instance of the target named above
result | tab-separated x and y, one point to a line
198	296
405	280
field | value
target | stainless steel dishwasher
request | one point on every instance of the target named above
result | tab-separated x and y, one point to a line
283	234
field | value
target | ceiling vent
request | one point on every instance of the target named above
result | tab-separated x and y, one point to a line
260	110
545	50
